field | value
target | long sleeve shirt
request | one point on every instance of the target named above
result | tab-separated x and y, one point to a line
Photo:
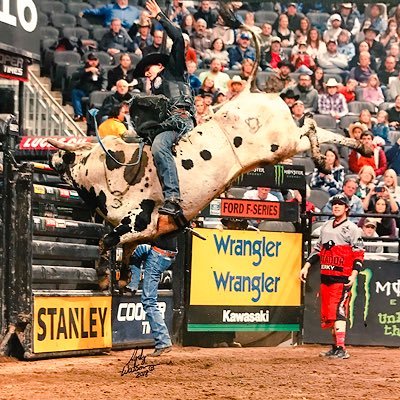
378	161
120	41
332	181
356	207
328	104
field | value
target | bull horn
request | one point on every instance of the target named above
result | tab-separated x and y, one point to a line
66	146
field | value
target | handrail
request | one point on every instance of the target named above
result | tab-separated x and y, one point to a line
39	102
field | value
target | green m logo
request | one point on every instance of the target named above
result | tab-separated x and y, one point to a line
279	174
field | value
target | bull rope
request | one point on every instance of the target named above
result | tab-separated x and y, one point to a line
93	112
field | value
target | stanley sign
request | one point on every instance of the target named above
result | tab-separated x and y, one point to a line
71	323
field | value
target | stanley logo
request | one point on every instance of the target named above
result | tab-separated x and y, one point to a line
279	174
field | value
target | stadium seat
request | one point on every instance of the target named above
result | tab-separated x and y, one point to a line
345	164
306	162
385	105
318	19
265	16
68	80
97	97
360	94
104	58
48	32
77	32
99	32
276	226
267	6
319	197
394	136
325	146
355	107
134	58
49	7
60	61
347	120
43	19
242	13
325	121
75	8
61	21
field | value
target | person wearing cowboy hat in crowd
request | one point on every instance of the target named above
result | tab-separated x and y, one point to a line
235	87
281	80
377	160
333	33
332	103
289	97
376	16
168	76
356	129
350	20
143	37
301	60
376	48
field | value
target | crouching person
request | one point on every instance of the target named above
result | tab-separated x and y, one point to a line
340	252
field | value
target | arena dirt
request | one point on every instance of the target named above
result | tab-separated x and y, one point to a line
198	373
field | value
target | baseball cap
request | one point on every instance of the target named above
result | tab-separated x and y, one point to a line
340	199
367	133
370	221
298	102
331	40
245	35
275	39
292	4
336	17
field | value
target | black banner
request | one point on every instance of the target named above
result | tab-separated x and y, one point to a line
13	66
129	323
374	308
278	176
19	25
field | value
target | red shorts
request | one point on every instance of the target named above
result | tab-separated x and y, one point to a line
335	299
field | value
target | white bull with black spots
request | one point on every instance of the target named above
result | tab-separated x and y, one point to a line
253	129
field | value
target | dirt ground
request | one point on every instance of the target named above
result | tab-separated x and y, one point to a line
199	373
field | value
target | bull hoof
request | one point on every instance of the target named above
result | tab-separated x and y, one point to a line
122	283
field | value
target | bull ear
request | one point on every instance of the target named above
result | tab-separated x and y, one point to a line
69	146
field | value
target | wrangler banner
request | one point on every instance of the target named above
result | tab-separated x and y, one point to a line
245	281
71	323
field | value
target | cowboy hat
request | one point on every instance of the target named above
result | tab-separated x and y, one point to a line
150	59
285	63
235	79
332	82
289	94
355	125
346	5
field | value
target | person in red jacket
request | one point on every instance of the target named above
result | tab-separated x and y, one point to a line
340	253
377	161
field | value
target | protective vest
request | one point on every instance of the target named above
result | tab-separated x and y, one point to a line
339	260
178	93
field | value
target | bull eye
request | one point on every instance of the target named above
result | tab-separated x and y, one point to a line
68	157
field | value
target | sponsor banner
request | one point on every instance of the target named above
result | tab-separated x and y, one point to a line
226	318
71	323
19	25
374	315
252	209
41	143
129	323
257	271
13	66
274	176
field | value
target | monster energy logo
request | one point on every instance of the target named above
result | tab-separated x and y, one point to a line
367	273
279	174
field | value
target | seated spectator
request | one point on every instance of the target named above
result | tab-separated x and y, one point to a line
120	9
304	29
345	46
177	12
297	198
316	45
221	31
116	40
235	87
250	23
332	34
388	71
350	19
203	113
331	61
362	47
390	183
91	77
265	36
333	182
363	71
201	38
380	192
215	72
281	80
121	95
381	128
317	79
306	92
298	112
156	46
293	17
206	13
283	32
219	97
190	52
194	81
241	51
365	118
394	88
289	97
143	38
390	35
366	181
376	49
187	24
394	114
393	157
114	124
332	103
208	86
349	90
386	226
377	18
349	190
356	129
368	227
217	50
377	161
261	193
123	70
394	51
271	58
208	100
302	61
372	92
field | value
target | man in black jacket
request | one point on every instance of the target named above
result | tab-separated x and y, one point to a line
168	77
121	95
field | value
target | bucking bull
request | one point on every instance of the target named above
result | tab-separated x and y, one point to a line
253	129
